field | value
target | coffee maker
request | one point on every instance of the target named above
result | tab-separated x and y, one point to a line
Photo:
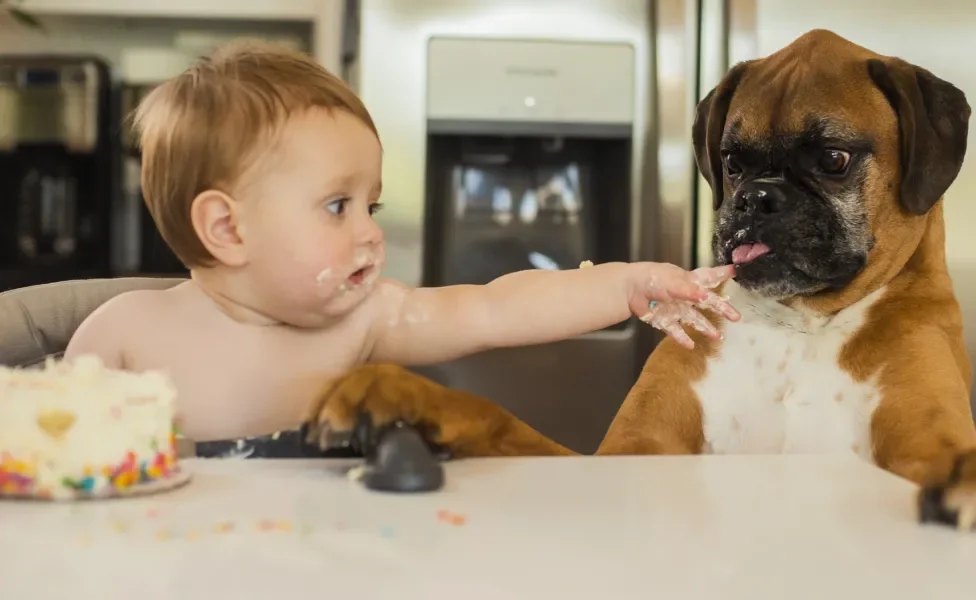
529	165
58	167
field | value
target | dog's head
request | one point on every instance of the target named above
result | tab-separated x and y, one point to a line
824	160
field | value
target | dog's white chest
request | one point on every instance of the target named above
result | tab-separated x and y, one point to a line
776	386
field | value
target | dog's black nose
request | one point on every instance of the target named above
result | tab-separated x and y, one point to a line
762	198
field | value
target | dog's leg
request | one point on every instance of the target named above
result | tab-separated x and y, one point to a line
661	414
923	431
952	501
941	461
370	397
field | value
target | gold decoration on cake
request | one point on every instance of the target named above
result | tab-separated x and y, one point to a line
56	423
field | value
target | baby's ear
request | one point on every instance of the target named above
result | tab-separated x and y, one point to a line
216	220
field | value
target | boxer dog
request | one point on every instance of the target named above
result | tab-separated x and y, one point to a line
828	164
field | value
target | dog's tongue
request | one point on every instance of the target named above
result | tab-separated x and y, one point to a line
748	252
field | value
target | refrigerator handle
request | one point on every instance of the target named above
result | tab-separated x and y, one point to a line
713	62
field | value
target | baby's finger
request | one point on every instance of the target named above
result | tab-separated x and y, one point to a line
679	334
718	304
667	316
712	277
701	323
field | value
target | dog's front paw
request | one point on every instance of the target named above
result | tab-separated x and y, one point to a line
354	409
954	502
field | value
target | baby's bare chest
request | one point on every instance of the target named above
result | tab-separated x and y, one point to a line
242	382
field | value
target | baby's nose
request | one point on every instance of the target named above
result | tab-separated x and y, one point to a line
369	232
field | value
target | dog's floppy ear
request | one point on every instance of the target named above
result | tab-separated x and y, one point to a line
933	123
706	133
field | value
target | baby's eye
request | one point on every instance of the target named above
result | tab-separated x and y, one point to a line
375	208
337	207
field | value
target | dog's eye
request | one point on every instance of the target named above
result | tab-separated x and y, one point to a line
834	162
732	166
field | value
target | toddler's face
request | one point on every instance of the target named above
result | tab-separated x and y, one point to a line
308	226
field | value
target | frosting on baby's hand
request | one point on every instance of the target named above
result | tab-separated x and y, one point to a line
670	316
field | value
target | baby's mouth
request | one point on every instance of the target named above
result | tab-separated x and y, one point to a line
359	276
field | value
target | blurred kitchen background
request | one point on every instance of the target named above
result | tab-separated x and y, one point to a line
517	134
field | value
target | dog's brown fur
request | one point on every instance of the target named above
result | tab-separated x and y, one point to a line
912	339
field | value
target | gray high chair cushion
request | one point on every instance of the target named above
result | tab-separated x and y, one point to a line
38	321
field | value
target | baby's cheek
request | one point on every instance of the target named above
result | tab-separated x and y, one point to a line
328	281
325	278
300	275
320	267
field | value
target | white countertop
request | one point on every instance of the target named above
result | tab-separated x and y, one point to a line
783	528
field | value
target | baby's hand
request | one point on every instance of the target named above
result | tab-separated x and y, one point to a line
666	297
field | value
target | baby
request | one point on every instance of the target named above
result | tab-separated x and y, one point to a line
262	172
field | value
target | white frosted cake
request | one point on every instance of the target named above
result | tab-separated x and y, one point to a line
80	429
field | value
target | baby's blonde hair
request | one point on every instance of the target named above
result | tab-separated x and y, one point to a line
202	129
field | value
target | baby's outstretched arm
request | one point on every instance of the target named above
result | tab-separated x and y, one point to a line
431	325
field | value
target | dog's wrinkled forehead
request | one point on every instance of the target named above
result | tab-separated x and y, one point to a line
820	88
808	131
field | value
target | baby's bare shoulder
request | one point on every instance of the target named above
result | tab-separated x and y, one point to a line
136	305
107	330
384	300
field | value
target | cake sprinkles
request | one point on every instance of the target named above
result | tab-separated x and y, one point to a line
81	430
